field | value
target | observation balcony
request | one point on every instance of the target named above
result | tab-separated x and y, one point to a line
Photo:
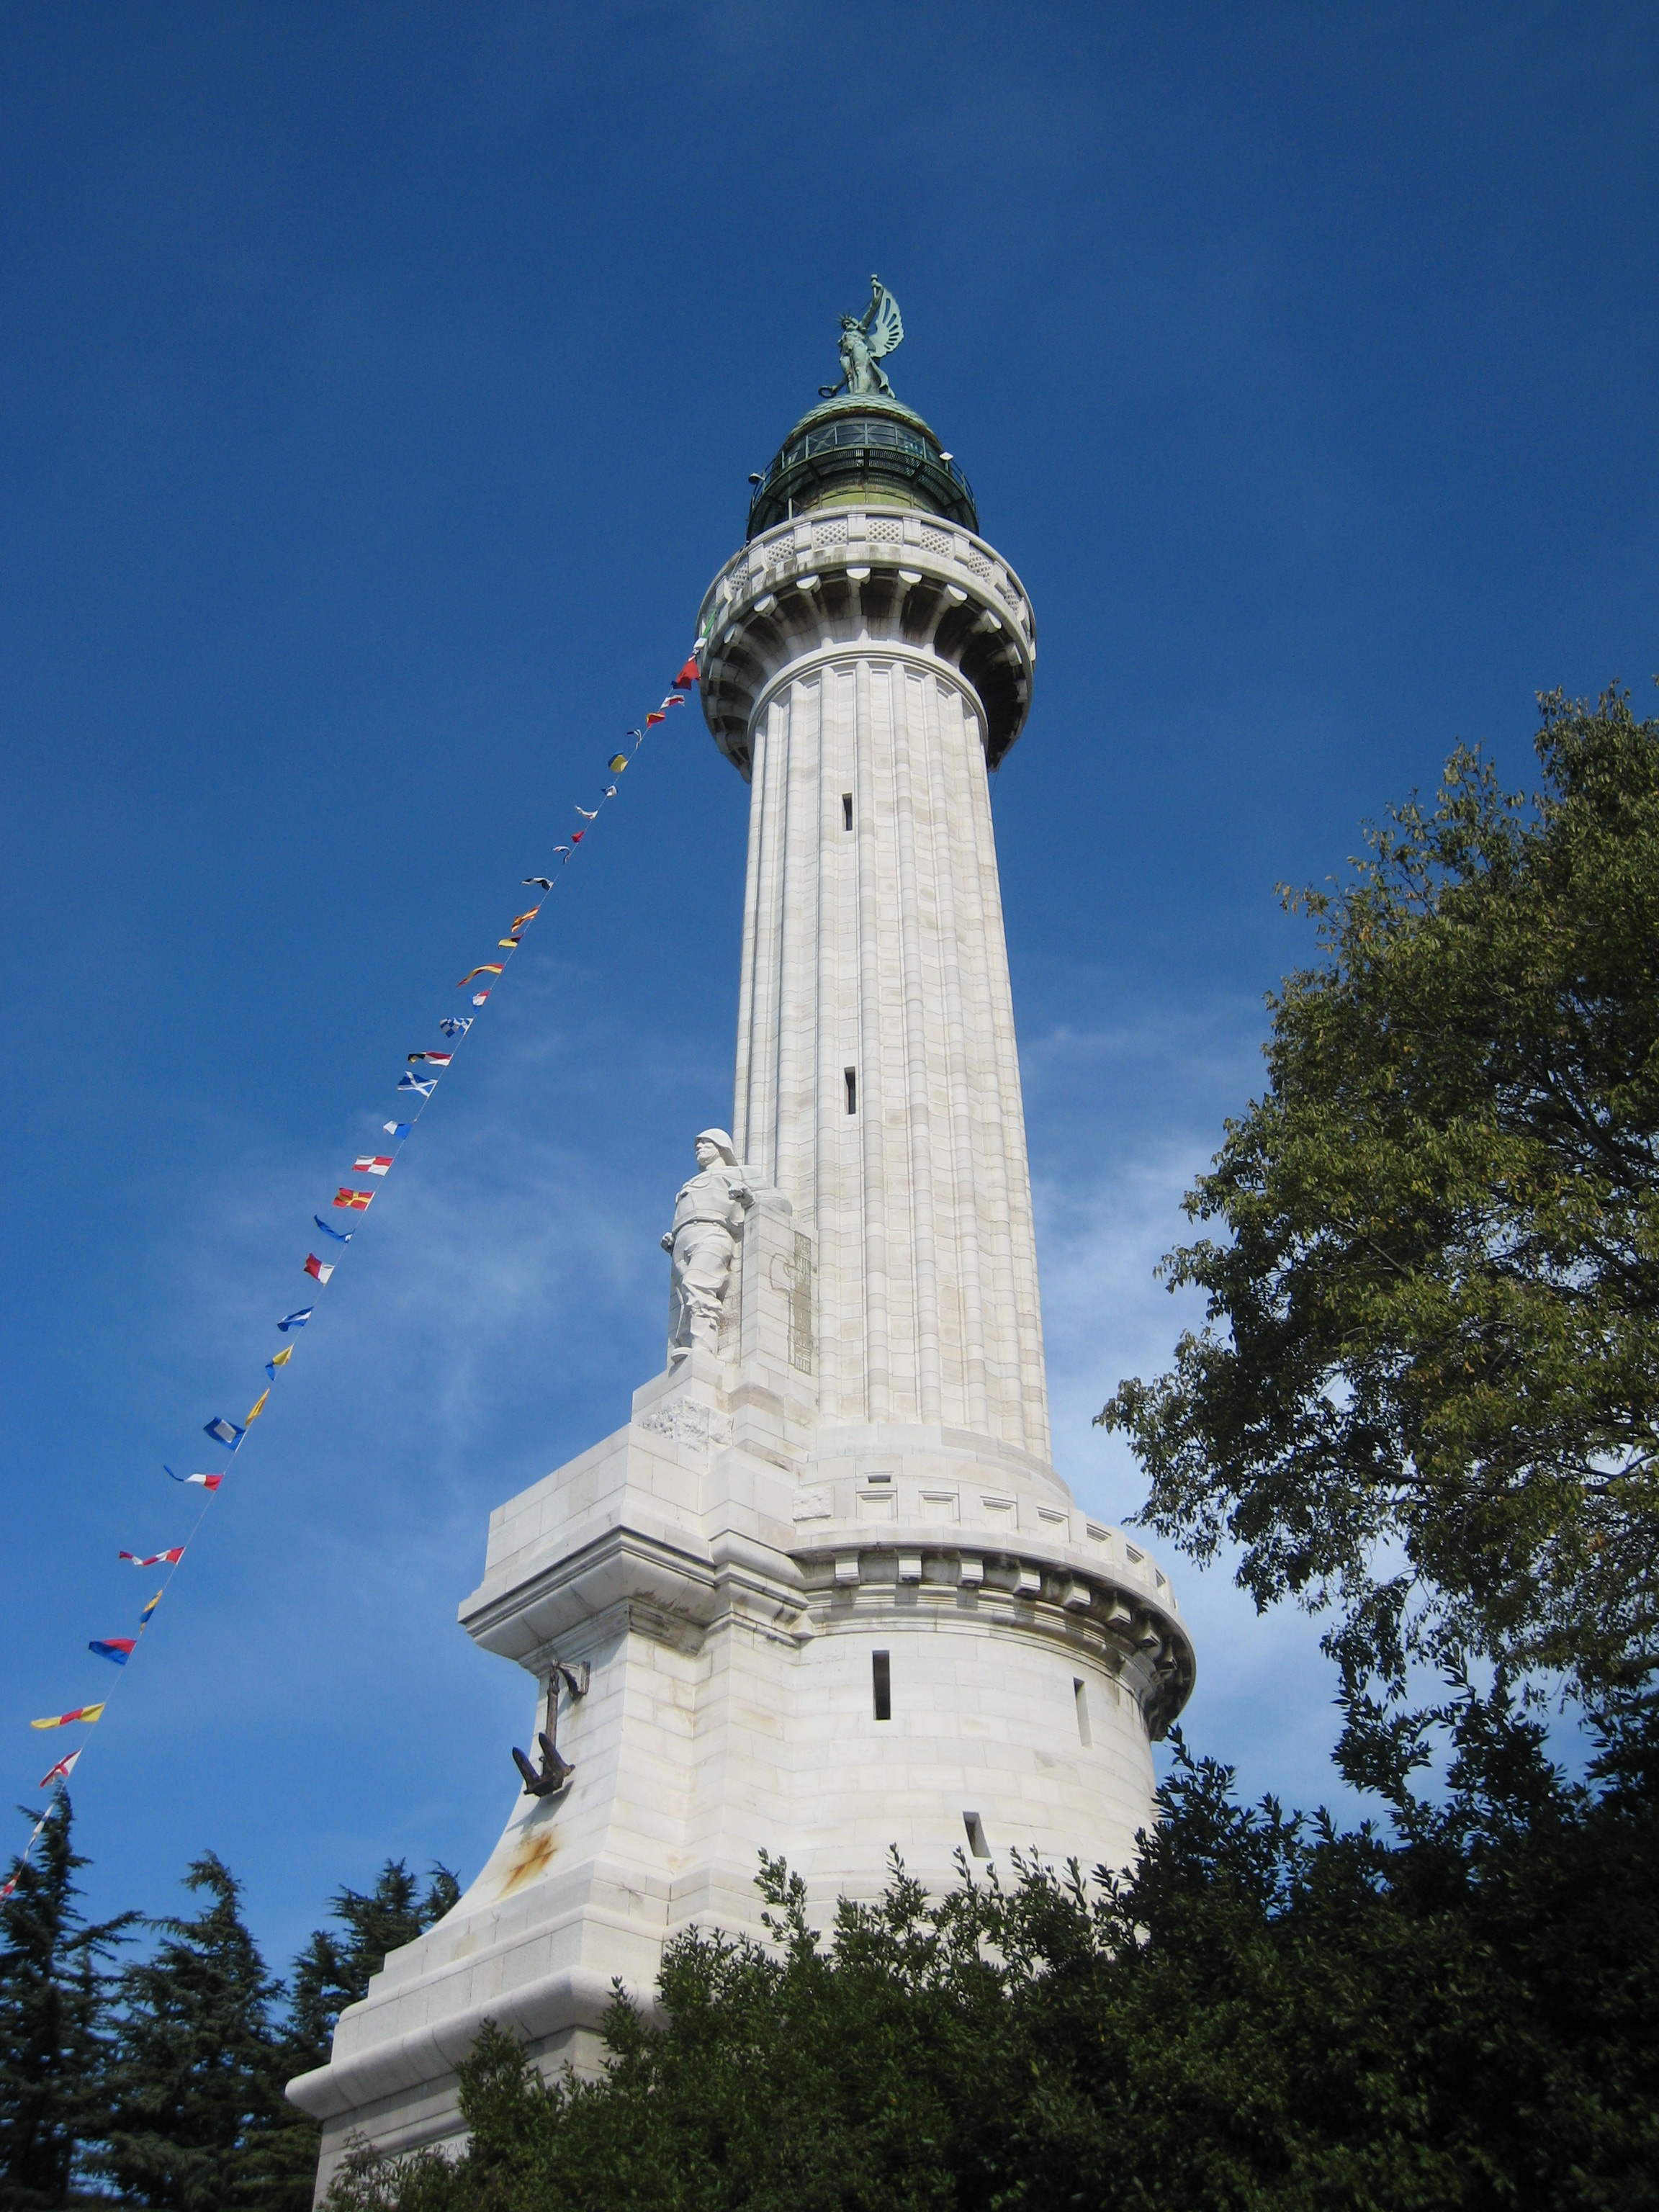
856	450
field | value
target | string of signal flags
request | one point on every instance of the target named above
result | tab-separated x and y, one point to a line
415	1088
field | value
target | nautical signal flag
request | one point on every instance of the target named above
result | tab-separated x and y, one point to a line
207	1481
340	1235
457	1024
321	1270
576	836
259	1405
296	1320
358	1201
689	674
61	1772
432	1059
409	1081
489	967
675	699
155	1560
585	816
87	1713
618	763
542	883
478	997
398	1130
223	1432
374	1163
143	1617
116	1649
655	716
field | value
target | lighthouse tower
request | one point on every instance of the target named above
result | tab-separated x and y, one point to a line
824	1593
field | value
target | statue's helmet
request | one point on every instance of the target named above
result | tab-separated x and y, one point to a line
722	1144
849	322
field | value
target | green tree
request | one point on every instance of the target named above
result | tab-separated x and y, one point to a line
332	1971
1269	2016
1432	1338
195	2076
52	1996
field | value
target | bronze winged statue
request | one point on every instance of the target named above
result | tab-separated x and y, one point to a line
865	342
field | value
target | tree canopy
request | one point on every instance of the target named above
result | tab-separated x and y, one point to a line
192	2081
1427	1388
1268	2017
52	1987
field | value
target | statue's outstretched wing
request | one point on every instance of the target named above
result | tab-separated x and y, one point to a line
886	331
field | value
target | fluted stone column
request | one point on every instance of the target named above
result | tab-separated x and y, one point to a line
877	1078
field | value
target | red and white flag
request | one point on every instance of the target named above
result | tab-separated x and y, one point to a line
320	1270
378	1163
156	1559
61	1772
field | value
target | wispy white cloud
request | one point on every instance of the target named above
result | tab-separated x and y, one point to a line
1121	1120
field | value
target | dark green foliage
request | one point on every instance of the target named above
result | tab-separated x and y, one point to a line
1434	1319
52	1988
332	1972
194	2076
1270	2015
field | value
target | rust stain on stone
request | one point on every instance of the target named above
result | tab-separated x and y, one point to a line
531	1858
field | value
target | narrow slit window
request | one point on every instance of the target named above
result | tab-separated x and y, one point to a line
1080	1692
852	1075
881	1684
846	809
976	1842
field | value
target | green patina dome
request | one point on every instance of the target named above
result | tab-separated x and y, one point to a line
861	448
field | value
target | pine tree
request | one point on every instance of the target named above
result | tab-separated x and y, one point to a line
52	1994
332	1972
197	2071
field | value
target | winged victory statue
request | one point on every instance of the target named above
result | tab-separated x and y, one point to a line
865	343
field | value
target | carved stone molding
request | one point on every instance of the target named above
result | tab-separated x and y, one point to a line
688	1421
1139	1641
866	578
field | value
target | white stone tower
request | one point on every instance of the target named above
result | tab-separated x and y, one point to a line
824	1593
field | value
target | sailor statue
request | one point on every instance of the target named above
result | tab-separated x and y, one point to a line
708	1224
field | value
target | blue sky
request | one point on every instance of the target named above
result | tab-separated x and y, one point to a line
378	388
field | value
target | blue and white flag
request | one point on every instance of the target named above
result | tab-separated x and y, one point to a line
397	1130
456	1024
223	1432
295	1320
340	1235
409	1081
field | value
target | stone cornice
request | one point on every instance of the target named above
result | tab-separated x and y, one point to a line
1013	1586
865	580
625	1565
